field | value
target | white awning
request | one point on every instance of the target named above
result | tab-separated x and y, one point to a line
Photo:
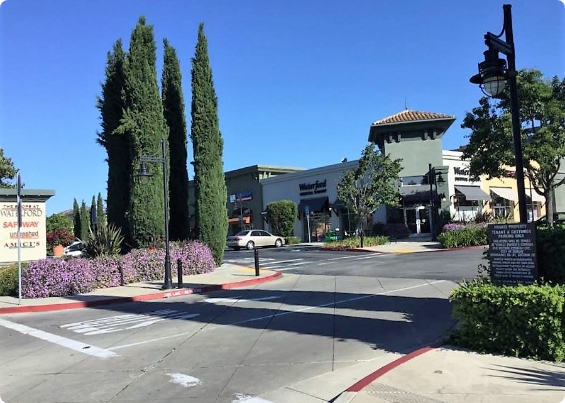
535	196
506	193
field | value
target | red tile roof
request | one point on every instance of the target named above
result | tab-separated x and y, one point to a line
407	116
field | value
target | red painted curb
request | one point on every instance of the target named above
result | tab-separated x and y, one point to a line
137	298
363	383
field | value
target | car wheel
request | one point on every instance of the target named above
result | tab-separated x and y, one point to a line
250	245
278	243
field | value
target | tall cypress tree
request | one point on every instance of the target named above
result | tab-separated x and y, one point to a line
111	105
207	143
143	123
92	214
76	219
100	214
84	221
173	110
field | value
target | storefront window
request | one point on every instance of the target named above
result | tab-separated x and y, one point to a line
502	208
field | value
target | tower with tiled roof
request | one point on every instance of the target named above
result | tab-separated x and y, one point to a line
414	136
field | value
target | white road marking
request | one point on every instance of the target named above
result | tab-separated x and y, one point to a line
241	398
340	258
288	267
124	322
286	313
184	380
238	299
371	256
59	340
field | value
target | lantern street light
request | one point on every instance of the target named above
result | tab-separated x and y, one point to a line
492	77
144	173
433	179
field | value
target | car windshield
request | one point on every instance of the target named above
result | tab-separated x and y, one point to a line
242	233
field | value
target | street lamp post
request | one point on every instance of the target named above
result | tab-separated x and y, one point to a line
432	180
492	77
144	173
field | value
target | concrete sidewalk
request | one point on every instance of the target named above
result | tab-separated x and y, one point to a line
451	375
408	245
224	277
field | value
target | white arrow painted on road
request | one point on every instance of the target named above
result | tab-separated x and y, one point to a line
238	299
184	380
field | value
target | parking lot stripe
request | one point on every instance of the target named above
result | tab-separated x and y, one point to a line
59	340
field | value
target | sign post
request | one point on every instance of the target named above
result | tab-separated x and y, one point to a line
307	214
512	253
19	212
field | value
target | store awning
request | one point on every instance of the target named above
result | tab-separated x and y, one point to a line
315	205
337	204
506	193
473	192
535	196
415	193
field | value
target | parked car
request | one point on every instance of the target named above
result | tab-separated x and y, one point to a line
249	239
558	218
77	248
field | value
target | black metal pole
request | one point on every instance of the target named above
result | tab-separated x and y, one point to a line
515	113
432	219
168	284
179	274
256	256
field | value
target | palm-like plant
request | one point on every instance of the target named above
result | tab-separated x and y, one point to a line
105	240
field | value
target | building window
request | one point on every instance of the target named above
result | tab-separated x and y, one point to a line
502	208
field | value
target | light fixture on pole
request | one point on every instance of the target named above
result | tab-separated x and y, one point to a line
144	173
433	179
492	77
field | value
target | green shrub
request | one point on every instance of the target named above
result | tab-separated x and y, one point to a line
9	280
355	242
291	240
520	321
105	240
550	248
470	235
281	216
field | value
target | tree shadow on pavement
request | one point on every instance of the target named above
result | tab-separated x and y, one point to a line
388	322
543	377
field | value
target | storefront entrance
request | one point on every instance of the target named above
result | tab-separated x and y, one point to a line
417	219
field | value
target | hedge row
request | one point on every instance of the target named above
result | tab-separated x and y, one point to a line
64	277
354	242
458	236
521	321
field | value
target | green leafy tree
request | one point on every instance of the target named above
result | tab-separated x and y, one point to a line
111	105
84	221
281	216
173	110
542	118
100	213
369	186
144	125
7	171
207	144
77	227
57	221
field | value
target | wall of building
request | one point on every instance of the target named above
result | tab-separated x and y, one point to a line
416	154
287	187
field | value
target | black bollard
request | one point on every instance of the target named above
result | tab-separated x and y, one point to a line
361	236
179	273
256	254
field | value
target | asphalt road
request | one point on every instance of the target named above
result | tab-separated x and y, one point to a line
446	265
230	345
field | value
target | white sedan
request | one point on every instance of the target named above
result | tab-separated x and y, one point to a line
249	239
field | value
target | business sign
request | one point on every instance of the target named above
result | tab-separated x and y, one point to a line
241	197
32	231
512	253
312	188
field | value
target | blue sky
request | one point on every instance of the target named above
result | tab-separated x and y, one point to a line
298	82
